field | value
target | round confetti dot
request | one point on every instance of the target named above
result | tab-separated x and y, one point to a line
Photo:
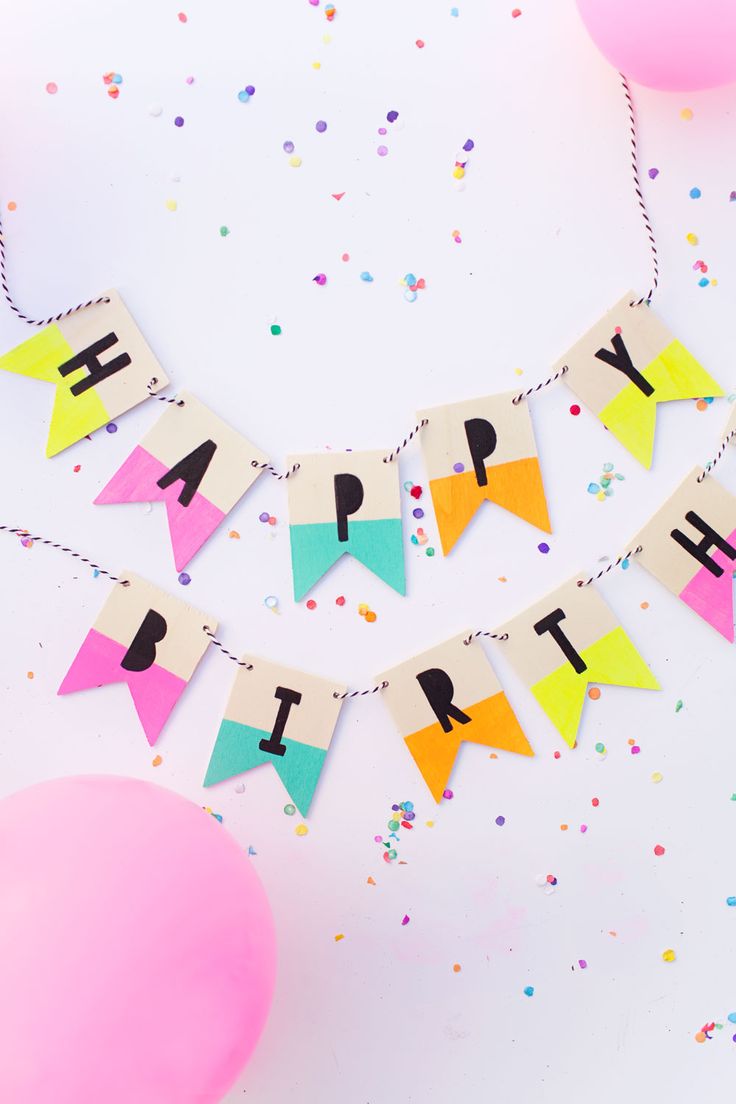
686	114
500	821
288	147
563	827
224	231
243	96
289	809
600	748
583	828
156	761
263	517
659	849
171	205
695	193
419	43
635	749
730	901
657	777
668	955
340	601
320	279
543	548
557	755
458	467
178	121
362	609
653	174
311	604
418	513
366	277
430	552
701	404
699	1035
182	17
595	802
382	151
250	90
275	330
271	602
515	13
301	830
345	257
392	116
12	206
692	239
448	795
320	126
52	88
458	172
529	991
370	616
456	967
574	410
594	693
644	605
111	427
295	161
316	64
185	578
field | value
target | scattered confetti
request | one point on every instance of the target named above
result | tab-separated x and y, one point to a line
529	989
156	761
289	809
301	830
543	548
686	114
500	821
456	967
653	174
668	955
695	193
178	121
185	578
339	937
52	88
405	920
275	330
320	279
678	705
659	849
311	604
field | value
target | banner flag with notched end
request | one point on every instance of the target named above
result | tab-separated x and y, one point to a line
482	450
626	364
280	716
568	640
345	502
690	546
444	696
195	463
101	366
147	639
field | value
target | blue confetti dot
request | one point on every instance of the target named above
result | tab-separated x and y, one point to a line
732	1017
593	488
703	281
695	193
731	902
244	96
454	12
366	277
529	991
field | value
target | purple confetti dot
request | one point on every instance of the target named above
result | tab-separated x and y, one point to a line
178	121
382	151
263	517
320	126
288	146
185	579
418	513
405	921
469	145
500	821
111	427
250	89
543	548
458	467
320	279
394	808
392	116
382	130
409	816
653	174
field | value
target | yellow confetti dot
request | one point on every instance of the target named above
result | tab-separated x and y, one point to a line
458	172
295	161
157	761
429	823
686	114
692	239
714	283
363	609
171	204
657	777
29	674
316	64
518	371
327	39
668	955
301	829
339	937
601	496
456	968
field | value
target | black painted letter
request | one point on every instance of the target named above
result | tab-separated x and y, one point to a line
482	441
191	470
142	652
438	690
287	698
621	360
348	499
551	624
710	538
88	358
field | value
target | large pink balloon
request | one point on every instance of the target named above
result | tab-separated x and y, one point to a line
673	45
137	951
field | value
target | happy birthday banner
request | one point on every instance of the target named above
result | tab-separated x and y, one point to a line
349	502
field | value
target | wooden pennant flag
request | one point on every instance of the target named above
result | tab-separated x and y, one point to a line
690	546
626	364
279	716
568	640
345	502
444	696
147	639
482	449
195	463
101	366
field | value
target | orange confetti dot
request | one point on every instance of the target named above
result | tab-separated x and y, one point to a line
699	1036
456	968
493	755
630	742
157	761
644	605
702	404
339	937
371	881
12	206
370	616
594	693
113	91
563	827
502	579
29	674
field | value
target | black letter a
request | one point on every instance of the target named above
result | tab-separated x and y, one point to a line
191	470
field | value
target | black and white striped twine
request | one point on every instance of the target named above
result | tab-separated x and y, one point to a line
615	563
712	463
637	187
24	534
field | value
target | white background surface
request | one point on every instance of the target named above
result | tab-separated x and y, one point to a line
551	237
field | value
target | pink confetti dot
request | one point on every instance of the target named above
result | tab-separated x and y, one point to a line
420	43
574	410
659	850
382	151
311	604
405	921
52	88
182	17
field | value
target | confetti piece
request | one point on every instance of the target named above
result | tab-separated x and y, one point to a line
295	161
275	330
695	193
657	777
185	578
653	174
543	548
668	955
582	964
171	204
320	279
500	821
659	849
182	17
678	705
311	604
338	196
405	921
52	88
419	43
529	991
157	761
12	206
686	114
301	830
290	809
366	277
448	795
371	881
731	902
594	693
339	937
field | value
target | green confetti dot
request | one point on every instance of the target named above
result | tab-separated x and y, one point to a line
289	810
430	551
224	231
275	330
678	705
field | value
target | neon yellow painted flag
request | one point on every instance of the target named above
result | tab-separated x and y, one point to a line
98	361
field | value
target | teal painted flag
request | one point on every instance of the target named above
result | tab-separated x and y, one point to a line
280	716
340	503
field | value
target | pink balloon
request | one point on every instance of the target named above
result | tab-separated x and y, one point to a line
137	950
673	45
